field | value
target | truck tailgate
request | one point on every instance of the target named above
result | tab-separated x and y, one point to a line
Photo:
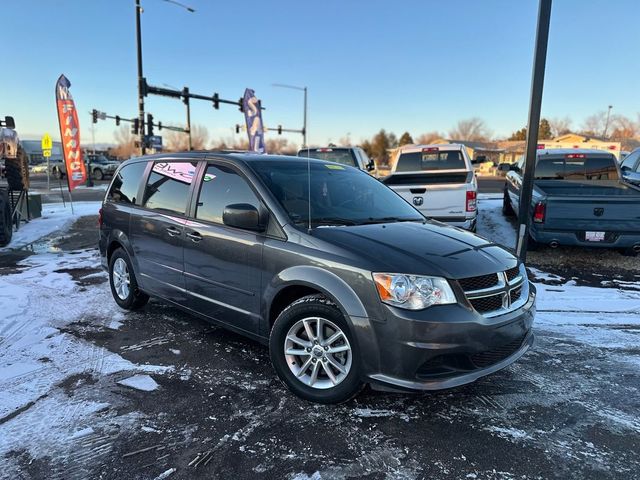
612	207
441	196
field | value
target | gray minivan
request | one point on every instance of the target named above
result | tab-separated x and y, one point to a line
346	282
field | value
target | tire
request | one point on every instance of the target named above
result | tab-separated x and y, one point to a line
57	172
507	208
533	246
628	252
98	174
331	385
120	270
6	226
17	171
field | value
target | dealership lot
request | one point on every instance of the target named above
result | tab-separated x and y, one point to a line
88	391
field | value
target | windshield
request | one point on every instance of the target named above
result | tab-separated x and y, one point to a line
577	168
430	159
339	195
338	155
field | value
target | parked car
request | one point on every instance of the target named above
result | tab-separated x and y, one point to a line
630	168
100	166
438	180
352	156
578	199
503	169
345	281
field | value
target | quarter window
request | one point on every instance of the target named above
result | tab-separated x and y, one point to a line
222	186
168	186
124	187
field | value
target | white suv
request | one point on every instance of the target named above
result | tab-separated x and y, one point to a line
438	180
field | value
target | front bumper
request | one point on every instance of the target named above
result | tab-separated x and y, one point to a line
467	223
448	345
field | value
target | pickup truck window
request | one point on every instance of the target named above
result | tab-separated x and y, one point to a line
589	168
339	155
425	161
339	195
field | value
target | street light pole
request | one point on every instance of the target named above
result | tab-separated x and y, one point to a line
304	125
606	124
140	81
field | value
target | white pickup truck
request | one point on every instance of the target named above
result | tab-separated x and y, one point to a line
438	180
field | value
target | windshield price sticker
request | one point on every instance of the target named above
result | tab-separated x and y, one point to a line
335	167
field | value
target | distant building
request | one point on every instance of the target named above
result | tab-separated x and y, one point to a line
513	150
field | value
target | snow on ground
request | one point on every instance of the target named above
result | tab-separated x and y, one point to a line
55	216
140	382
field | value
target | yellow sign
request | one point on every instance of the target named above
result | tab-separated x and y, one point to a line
46	153
47	144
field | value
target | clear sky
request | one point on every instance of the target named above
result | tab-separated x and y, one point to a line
416	66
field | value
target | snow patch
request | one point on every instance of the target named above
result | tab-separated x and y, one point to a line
140	382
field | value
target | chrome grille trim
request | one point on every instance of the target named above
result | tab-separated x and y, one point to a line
504	289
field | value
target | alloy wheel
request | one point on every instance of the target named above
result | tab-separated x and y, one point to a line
121	279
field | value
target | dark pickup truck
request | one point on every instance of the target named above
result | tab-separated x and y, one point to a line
578	199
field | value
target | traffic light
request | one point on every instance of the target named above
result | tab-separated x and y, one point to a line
240	105
216	101
159	125
94	115
117	120
237	128
135	126
149	124
279	129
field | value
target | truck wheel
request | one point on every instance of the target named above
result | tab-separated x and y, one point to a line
122	280
6	227
507	208
17	171
58	173
97	174
314	352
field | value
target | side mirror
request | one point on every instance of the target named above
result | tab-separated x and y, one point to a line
245	216
371	166
9	122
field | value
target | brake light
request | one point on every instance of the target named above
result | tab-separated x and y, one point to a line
324	150
538	212
472	203
575	155
612	147
100	217
431	149
541	146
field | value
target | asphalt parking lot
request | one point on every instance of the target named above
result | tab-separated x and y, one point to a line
88	391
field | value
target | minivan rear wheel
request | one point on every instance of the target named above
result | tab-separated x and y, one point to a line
314	352
122	280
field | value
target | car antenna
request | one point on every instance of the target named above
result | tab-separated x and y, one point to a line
309	185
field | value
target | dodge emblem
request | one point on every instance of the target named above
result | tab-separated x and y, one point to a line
598	212
417	201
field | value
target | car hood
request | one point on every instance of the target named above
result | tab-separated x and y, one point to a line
428	248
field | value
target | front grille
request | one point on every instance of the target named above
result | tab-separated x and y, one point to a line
491	357
479	283
512	273
487	304
515	294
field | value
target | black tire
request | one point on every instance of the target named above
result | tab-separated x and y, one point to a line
6	227
135	298
507	208
17	171
533	246
58	173
98	174
314	306
628	252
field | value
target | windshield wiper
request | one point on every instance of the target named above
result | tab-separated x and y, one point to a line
372	220
333	221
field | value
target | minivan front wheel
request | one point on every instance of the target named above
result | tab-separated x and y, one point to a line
314	352
122	280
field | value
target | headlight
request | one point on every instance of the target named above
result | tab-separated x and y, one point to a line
413	292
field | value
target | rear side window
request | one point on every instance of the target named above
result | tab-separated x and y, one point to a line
222	186
124	187
430	159
168	186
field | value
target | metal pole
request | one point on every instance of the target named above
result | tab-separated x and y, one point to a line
606	124
304	123
185	99
48	174
140	79
537	84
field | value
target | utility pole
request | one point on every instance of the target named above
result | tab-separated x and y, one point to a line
535	104
141	81
304	121
185	99
606	124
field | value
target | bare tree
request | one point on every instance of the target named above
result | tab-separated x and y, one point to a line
427	138
623	128
230	143
125	143
560	126
594	124
178	141
472	129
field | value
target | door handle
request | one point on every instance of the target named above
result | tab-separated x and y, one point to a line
194	236
173	231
